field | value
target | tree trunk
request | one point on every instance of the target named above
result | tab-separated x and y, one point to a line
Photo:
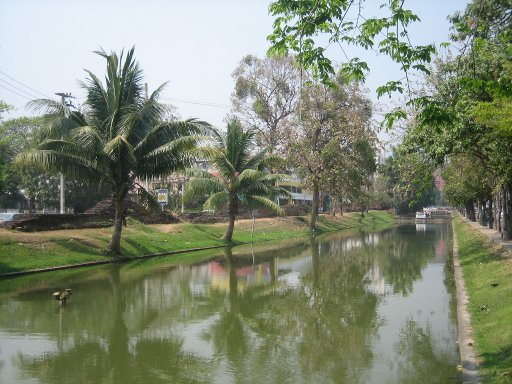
32	204
479	213
508	212
470	211
497	211
490	214
314	208
503	211
115	242
233	211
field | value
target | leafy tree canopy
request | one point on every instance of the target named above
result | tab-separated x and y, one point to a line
299	24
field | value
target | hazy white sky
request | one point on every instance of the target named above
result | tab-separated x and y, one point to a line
193	44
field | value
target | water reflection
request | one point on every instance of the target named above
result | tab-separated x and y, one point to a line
358	308
423	359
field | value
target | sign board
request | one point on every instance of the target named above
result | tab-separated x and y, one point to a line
162	196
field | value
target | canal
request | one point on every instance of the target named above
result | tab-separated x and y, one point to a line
347	307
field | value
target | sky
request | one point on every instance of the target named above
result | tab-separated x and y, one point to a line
194	45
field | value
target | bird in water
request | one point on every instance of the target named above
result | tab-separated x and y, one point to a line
62	296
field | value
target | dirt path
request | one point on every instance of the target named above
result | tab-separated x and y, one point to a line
83	234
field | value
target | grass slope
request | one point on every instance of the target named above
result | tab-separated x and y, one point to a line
27	251
487	273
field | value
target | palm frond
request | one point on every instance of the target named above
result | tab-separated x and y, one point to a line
238	144
250	175
156	93
201	187
169	131
194	172
263	202
217	200
255	160
146	199
271	162
171	157
47	107
120	152
58	120
275	177
223	165
88	138
71	165
207	151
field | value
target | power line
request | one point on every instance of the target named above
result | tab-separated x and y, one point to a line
26	86
16	93
19	89
186	101
196	102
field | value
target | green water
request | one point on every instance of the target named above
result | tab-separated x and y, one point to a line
342	308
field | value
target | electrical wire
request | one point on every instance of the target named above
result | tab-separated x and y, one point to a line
186	101
18	89
26	86
196	102
16	93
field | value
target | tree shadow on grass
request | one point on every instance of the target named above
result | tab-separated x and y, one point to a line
478	249
499	363
139	248
210	232
82	247
5	268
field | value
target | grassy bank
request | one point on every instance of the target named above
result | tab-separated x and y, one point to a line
488	276
21	251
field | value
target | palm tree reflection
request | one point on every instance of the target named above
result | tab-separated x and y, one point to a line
121	356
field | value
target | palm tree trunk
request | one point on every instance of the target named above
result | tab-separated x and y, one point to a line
115	242
233	211
315	205
229	230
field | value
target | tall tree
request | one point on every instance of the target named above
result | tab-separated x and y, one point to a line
119	137
242	176
467	184
331	121
467	112
265	96
299	26
16	184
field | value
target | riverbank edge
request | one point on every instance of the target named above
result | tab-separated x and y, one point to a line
486	260
469	363
336	227
103	262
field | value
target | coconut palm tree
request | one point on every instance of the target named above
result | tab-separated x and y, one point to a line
242	176
119	136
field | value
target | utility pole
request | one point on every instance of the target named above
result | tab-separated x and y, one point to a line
65	104
146	96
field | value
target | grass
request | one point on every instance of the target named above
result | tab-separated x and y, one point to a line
488	275
21	251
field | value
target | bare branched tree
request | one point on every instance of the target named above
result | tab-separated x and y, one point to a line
265	96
